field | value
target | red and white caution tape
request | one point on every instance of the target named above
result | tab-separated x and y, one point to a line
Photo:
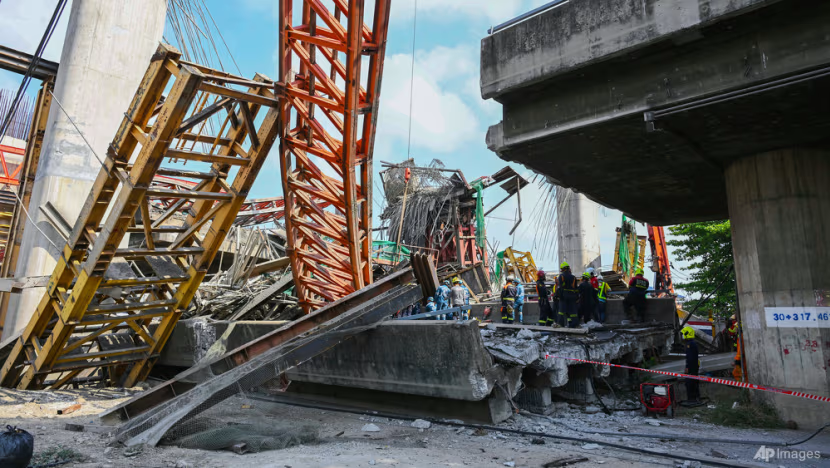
732	383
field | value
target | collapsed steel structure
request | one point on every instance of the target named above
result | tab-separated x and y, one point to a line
94	320
329	161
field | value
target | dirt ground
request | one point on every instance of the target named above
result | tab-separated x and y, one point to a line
344	443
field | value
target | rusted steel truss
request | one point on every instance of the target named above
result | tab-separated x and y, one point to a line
109	308
331	63
25	173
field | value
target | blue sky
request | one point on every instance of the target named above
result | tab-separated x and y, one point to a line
449	118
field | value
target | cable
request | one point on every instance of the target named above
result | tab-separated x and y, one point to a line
27	77
78	130
725	277
682	437
412	79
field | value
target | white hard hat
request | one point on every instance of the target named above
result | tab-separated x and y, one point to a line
510	278
599	276
590	270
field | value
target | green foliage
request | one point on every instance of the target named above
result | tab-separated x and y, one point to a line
746	415
708	248
56	454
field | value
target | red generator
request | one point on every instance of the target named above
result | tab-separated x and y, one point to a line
657	399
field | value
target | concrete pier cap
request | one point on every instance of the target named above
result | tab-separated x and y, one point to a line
684	111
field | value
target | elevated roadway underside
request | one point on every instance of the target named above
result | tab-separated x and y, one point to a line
750	79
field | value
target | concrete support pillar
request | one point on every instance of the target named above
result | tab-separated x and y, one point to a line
107	49
577	222
779	204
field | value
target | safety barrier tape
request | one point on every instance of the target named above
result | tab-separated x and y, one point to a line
732	383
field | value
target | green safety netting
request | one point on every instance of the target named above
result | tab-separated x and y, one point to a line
478	185
629	229
499	263
387	250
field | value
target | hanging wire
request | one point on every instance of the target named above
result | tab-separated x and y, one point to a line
27	77
72	121
412	79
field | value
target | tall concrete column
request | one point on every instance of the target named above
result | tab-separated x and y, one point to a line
577	229
779	205
107	49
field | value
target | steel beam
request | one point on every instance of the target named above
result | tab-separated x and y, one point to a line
252	372
168	390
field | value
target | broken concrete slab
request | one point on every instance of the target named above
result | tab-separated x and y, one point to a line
395	357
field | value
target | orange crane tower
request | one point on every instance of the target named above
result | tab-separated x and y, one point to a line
328	130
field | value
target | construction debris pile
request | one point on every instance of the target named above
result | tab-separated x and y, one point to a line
222	303
426	207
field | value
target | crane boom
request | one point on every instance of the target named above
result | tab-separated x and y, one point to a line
660	259
327	136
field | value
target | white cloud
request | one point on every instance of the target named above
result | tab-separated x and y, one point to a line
441	120
23	22
492	10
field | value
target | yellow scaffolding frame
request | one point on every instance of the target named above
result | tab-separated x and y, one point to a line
94	321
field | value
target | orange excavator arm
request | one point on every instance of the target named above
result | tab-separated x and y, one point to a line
660	259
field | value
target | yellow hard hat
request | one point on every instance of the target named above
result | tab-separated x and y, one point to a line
688	333
564	265
639	271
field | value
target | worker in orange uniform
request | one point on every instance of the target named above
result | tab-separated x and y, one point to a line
637	288
734	330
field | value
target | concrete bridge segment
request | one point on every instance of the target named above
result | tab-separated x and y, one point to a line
679	111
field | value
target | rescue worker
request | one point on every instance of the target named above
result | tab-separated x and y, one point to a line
636	297
593	279
545	309
442	295
738	370
508	301
595	284
465	313
732	332
568	294
587	295
602	297
520	300
431	307
692	363
457	297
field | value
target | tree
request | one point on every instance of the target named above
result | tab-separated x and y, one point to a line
708	248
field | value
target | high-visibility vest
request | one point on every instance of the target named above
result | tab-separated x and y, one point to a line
603	286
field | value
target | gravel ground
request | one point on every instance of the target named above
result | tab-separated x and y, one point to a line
344	443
